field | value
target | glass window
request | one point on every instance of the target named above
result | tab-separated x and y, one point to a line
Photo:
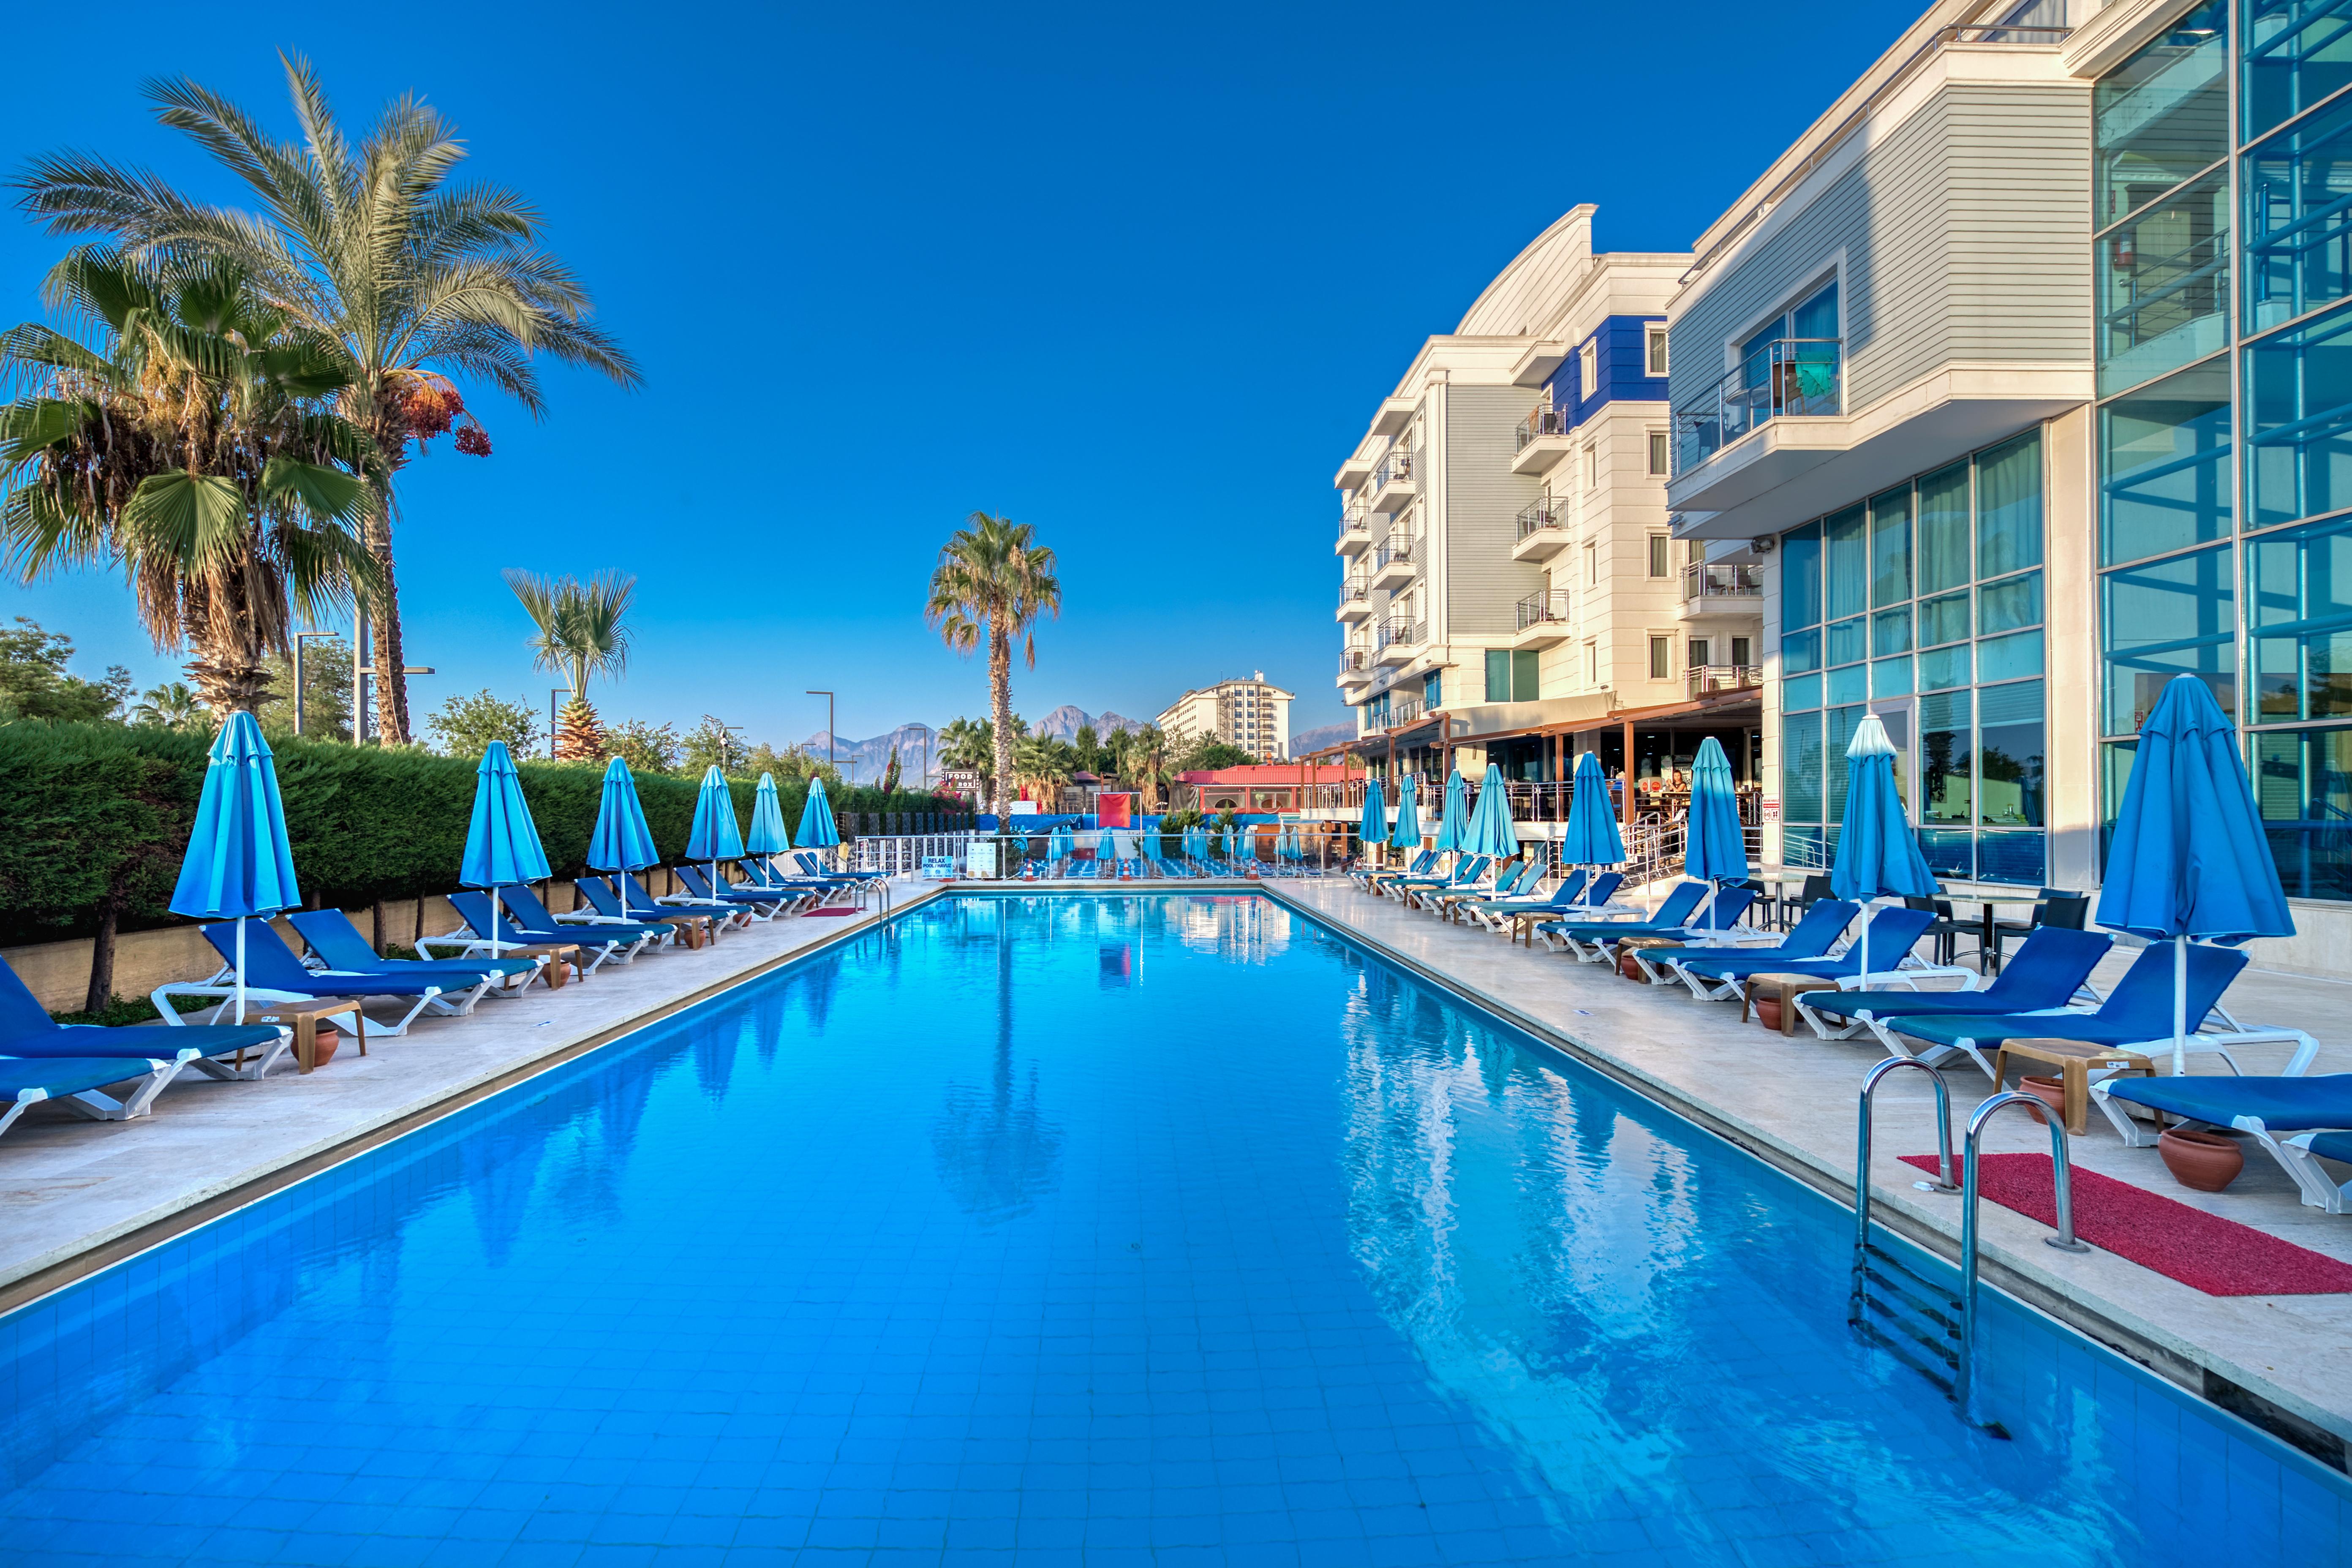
1526	679
2018	857
2008	507
1890	632
1890	547
2164	283
1800	767
1944	529
2298	224
1851	684
1742	652
2009	750
1943	620
1942	668
2303	779
2298	391
2010	657
1801	577
2164	466
1805	692
1950	852
2163	618
1657	337
1947	758
2296	52
1890	678
1661	657
1698	653
1801	652
2161	116
1658	447
2299	622
1498	675
1836	736
1847	564
1849	641
1658	567
2012	602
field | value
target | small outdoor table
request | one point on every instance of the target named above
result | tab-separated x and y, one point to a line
696	931
1784	989
2073	1059
303	1016
1627	943
562	957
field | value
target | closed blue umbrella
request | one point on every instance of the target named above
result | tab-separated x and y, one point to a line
1060	842
621	841
1406	833
2189	857
1491	830
239	862
1453	822
768	836
1877	854
1591	838
502	847
1374	828
1714	849
816	830
715	836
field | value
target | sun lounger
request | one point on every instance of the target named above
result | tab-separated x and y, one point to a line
28	1030
810	865
1507	880
1713	975
1812	936
2299	1120
764	903
2052	967
596	943
337	944
524	906
1578	895
636	903
1588	940
1368	877
272	974
2137	1017
1467	876
77	1082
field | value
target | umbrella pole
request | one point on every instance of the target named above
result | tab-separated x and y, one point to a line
494	922
2180	1005
240	970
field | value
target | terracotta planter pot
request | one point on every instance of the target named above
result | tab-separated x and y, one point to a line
1768	1012
2203	1162
323	1045
1631	970
2050	1092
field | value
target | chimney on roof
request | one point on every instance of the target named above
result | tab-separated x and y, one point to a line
1257	675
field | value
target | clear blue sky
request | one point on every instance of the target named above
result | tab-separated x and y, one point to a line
1135	276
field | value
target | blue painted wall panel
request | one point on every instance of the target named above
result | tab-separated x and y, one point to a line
1624	364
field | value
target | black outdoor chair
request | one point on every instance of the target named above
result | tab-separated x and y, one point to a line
1945	929
2052	906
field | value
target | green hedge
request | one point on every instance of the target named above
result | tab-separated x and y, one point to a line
94	807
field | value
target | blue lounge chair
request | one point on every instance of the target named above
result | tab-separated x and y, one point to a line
2050	971
514	928
1509	878
1365	877
1577	894
77	1082
524	905
28	1030
811	891
2299	1120
1812	936
760	903
2137	1017
337	944
273	974
813	867
636	903
1468	872
1714	975
1588	940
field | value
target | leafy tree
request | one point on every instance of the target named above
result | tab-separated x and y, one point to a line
1087	750
793	765
171	706
464	726
1044	765
711	741
580	635
647	748
326	692
992	582
35	684
188	445
890	772
1206	751
970	743
406	277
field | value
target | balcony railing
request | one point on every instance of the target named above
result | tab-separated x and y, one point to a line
1406	550
1355	660
1538	517
1537	608
1354	590
1394	467
1400	632
1542	421
1787	378
1354	520
1720	582
1701	678
1403	711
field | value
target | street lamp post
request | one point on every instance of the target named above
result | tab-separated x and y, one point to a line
299	639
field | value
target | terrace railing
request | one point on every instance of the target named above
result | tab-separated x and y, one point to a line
1541	516
1722	581
1540	423
1354	660
1396	465
1703	678
1786	378
1537	608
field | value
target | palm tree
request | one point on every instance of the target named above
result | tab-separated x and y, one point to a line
993	581
1155	770
410	277
170	705
580	636
189	443
1044	765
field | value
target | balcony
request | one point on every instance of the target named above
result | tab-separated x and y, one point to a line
1543	532
1788	378
1395	563
1543	620
1355	665
1355	599
1543	439
1399	640
1718	590
1355	530
1700	679
1392	484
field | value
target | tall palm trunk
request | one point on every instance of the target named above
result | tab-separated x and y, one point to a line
1000	712
376	532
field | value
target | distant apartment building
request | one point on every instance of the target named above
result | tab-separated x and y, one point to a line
1252	714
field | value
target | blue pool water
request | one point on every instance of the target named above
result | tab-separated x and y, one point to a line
1107	1230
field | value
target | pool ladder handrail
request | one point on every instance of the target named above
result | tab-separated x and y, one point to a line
2062	1176
1943	1184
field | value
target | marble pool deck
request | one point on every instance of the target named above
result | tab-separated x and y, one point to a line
1792	1102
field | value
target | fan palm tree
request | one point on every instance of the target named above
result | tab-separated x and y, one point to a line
1043	766
411	278
172	705
1155	770
992	581
580	636
193	444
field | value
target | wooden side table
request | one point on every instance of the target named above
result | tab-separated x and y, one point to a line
562	957
1627	944
696	931
1784	989
303	1019
2073	1059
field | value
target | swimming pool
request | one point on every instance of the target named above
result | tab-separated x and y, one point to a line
1151	1229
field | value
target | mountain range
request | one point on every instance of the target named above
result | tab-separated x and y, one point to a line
1305	740
869	756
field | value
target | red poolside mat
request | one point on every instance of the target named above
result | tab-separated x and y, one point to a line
828	912
2217	1256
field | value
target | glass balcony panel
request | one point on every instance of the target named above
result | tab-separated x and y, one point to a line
2164	618
2162	115
2299	621
2296	52
2296	191
2298	396
1775	379
2021	858
2163	285
2164	466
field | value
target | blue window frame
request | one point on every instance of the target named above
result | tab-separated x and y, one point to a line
2303	780
2162	116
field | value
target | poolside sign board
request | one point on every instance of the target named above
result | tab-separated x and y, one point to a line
980	860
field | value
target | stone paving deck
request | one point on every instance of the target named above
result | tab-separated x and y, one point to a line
74	1193
1793	1102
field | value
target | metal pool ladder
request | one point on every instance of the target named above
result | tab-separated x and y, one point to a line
1920	1322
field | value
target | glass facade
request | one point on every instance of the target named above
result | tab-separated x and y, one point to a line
2224	435
1924	605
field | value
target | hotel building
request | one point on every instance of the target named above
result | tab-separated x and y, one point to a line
1252	714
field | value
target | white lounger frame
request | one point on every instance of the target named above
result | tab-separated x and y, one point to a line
2319	1190
450	1001
100	1106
